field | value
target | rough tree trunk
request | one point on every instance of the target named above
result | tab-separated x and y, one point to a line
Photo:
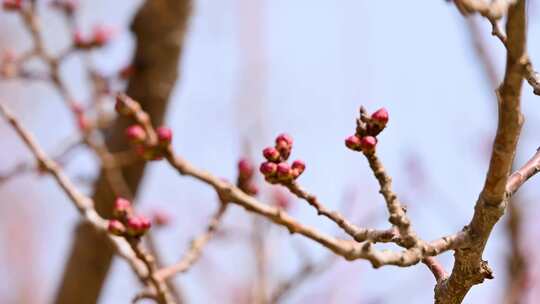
159	27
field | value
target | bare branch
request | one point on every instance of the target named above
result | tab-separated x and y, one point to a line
518	178
469	268
196	248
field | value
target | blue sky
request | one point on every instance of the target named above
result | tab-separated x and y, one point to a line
253	69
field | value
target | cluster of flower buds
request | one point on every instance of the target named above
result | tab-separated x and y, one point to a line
125	222
101	35
368	127
148	146
68	6
12	5
276	169
138	137
245	177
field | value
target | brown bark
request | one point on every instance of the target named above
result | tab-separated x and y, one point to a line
159	27
469	268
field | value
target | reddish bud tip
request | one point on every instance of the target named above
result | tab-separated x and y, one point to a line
284	138
381	116
116	227
281	200
353	142
252	189
284	145
271	154
298	167
245	168
135	134
137	225
368	143
122	208
12	5
79	40
164	135
102	34
161	218
284	171
268	168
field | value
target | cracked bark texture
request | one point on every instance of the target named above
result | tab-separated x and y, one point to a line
469	267
159	27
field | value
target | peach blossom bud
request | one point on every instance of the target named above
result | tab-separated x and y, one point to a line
161	218
368	143
12	5
116	227
79	40
122	208
268	169
284	172
271	154
137	225
286	138
380	116
102	34
135	134
298	167
245	168
164	135
353	142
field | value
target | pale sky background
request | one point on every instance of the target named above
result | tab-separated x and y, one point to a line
318	61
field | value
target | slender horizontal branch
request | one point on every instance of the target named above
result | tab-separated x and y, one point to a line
350	250
518	178
358	234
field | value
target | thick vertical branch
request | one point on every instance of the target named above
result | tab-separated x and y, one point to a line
469	268
516	260
159	27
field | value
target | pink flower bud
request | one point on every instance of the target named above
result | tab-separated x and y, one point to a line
164	135
122	208
284	146
380	116
161	218
368	143
82	122
12	5
286	138
245	168
281	200
271	154
102	34
116	227
252	189
284	171
79	40
268	169
298	167
137	225
135	134
353	142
